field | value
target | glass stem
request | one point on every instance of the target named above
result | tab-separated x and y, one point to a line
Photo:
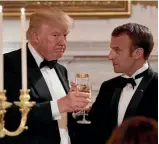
84	115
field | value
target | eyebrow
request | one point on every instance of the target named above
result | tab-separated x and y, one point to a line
56	32
113	47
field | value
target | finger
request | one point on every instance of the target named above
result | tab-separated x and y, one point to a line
82	99
73	89
73	84
83	105
80	105
80	108
83	94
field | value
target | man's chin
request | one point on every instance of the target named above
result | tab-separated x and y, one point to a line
117	70
59	56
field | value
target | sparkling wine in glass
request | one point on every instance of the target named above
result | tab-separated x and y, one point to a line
83	85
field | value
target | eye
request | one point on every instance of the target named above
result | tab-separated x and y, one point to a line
55	34
65	35
117	49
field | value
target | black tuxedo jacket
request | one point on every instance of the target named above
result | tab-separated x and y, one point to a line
104	111
43	129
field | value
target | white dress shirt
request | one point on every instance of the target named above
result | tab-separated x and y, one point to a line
128	93
56	90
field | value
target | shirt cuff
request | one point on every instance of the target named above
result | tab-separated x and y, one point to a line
55	110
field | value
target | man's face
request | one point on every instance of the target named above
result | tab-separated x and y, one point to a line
120	54
51	41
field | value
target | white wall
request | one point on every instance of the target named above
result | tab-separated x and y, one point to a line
93	30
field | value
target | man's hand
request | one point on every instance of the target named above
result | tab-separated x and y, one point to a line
74	86
74	101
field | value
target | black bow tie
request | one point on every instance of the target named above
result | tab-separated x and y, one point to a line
50	64
125	81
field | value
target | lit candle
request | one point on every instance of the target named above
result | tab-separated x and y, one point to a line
24	56
1	51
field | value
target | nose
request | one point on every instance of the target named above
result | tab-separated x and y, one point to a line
111	55
62	41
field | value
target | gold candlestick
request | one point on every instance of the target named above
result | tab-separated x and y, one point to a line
24	107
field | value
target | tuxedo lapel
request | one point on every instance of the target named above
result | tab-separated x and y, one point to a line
36	79
61	77
138	95
114	104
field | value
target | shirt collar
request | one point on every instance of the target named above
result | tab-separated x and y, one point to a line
35	54
140	70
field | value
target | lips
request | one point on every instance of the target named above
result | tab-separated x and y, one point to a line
59	50
115	64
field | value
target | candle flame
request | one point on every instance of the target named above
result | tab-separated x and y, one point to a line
0	9
22	10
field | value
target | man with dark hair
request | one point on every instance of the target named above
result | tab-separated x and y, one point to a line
130	94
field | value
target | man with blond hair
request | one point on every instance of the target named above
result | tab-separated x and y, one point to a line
50	120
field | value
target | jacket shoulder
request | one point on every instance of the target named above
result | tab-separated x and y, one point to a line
112	81
156	76
13	54
61	66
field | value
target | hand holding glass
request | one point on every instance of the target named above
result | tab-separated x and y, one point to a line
83	85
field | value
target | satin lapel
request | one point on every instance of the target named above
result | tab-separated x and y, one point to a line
114	103
132	107
62	79
36	79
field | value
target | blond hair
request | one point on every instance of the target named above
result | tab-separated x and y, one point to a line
49	16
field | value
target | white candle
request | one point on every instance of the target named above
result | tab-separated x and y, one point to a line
24	53
1	51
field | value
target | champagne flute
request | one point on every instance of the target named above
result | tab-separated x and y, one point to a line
83	85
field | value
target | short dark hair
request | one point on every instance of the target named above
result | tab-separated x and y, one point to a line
140	35
136	130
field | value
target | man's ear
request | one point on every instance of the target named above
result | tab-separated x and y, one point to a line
138	53
35	37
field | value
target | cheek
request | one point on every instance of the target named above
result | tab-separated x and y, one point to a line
43	41
52	40
128	62
124	61
51	45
